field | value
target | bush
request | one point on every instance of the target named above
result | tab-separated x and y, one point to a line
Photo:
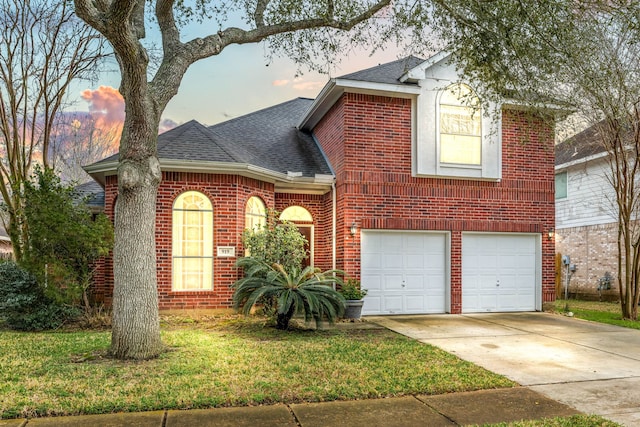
278	241
23	303
351	290
64	238
306	292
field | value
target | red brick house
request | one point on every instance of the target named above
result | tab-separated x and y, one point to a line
437	206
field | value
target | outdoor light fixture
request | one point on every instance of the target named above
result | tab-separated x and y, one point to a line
551	234
353	228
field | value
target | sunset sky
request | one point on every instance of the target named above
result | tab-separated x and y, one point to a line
236	82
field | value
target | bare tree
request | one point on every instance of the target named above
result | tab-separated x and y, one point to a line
300	29
43	48
80	141
581	55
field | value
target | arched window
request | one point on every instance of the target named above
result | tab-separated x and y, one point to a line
460	126
304	221
192	242
295	214
255	214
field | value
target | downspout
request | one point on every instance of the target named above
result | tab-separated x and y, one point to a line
334	205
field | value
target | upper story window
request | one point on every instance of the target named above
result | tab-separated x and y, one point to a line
255	214
456	135
460	122
192	237
561	185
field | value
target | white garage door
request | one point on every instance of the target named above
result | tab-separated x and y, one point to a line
499	272
404	272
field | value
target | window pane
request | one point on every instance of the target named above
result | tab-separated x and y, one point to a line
192	242
255	214
465	150
460	126
296	213
192	274
460	120
561	185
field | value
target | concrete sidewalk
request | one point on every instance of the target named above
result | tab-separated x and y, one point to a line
455	409
589	366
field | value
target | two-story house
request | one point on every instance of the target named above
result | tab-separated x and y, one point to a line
398	174
586	214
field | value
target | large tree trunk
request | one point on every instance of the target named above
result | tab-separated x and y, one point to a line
136	324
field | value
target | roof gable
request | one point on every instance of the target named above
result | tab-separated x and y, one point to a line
389	73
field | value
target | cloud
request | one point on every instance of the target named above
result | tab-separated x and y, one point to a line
166	124
280	82
301	85
106	105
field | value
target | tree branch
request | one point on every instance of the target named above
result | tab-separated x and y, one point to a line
179	56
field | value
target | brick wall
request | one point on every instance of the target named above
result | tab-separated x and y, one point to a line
228	194
594	251
375	188
368	141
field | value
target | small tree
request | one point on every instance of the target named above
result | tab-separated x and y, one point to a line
65	240
277	242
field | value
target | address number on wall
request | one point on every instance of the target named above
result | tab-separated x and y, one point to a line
226	251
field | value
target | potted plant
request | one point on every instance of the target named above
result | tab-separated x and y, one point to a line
353	295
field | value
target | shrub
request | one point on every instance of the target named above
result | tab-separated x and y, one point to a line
351	290
307	292
277	242
23	303
64	238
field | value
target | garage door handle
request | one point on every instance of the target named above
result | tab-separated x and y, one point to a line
403	284
498	283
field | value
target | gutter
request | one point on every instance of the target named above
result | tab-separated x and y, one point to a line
597	156
289	182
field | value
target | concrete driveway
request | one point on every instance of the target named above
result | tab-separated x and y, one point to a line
592	367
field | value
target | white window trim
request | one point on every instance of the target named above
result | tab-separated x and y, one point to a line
426	137
173	243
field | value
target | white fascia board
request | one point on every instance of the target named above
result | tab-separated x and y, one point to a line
336	87
320	183
581	161
327	96
418	73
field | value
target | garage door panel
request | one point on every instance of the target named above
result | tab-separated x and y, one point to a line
499	272
393	260
392	282
410	269
392	304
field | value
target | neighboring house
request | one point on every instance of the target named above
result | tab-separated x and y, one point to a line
5	244
435	206
586	213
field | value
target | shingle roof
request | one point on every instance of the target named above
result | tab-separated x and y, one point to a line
584	144
385	73
267	138
92	192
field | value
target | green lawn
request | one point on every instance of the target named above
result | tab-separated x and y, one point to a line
603	312
226	362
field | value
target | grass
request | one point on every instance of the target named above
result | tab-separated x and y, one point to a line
222	363
603	312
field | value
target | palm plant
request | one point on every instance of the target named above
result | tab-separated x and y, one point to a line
305	291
